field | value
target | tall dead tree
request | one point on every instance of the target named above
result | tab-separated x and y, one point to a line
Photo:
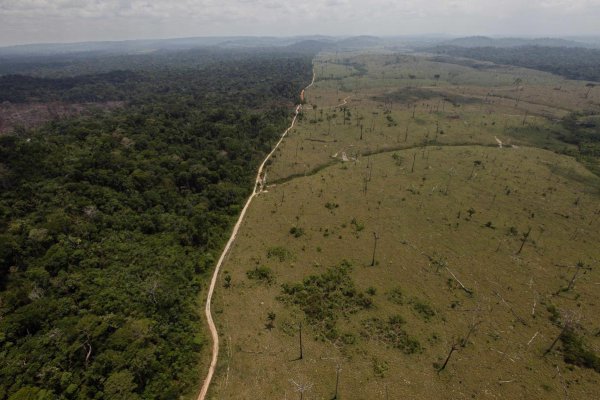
375	237
472	327
568	323
590	86
452	350
338	369
578	267
476	163
524	240
301	347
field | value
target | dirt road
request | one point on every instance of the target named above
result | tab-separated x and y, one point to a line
258	188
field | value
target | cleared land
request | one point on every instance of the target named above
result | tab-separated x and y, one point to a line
477	244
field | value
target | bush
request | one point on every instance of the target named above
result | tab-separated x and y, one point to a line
280	253
326	297
262	274
575	351
391	333
424	310
395	296
296	232
331	206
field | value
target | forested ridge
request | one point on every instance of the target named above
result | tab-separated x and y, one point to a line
109	222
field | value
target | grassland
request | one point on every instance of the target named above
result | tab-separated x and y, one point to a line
476	247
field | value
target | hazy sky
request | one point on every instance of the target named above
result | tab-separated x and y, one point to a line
27	21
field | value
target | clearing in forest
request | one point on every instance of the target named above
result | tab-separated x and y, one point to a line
429	238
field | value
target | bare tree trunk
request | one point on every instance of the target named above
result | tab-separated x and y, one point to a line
577	269
524	240
337	381
452	350
549	349
301	348
376	237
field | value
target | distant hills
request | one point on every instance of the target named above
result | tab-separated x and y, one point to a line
296	43
144	46
484	41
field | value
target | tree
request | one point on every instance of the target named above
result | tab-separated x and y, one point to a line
524	240
590	86
568	321
338	369
375	238
453	348
270	320
120	386
476	164
578	267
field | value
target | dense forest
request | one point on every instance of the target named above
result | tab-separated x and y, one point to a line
570	62
110	222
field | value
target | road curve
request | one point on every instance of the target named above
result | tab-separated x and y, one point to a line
258	187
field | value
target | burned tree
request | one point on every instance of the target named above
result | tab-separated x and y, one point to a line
524	240
452	350
376	238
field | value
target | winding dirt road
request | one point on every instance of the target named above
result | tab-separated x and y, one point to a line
258	188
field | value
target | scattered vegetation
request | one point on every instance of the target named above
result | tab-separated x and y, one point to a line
280	253
576	352
391	332
395	296
422	309
261	274
325	298
296	231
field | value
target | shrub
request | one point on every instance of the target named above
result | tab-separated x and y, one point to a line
395	296
391	333
331	206
262	274
296	231
424	310
326	297
575	351
280	253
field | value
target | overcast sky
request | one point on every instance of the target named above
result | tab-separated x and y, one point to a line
30	21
